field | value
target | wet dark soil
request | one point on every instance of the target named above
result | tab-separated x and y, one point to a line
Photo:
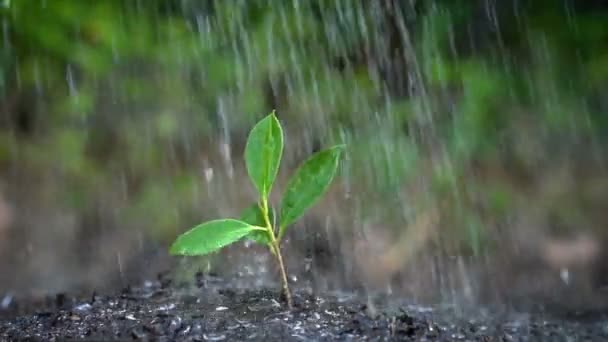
213	311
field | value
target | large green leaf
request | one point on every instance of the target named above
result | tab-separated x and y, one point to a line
308	184
263	153
211	236
253	215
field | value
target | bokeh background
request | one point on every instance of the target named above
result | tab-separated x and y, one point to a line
476	169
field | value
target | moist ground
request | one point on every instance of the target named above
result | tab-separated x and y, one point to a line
214	310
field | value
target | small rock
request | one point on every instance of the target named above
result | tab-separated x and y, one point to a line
167	307
83	307
214	337
138	333
175	325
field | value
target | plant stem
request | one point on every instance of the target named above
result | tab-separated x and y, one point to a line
286	291
277	252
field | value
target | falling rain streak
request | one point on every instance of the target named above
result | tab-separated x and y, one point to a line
476	135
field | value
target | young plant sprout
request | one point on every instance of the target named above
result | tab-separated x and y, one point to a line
262	158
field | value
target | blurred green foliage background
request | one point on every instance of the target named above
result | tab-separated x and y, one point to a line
131	116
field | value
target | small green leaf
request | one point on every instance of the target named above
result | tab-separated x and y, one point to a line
211	236
253	215
308	184
263	153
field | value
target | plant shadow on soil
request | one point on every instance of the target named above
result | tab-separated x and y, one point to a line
216	309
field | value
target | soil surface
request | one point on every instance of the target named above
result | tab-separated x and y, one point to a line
211	311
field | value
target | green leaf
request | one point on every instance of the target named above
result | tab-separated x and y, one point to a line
211	236
263	153
308	184
253	215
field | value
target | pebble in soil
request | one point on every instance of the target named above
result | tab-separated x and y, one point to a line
157	311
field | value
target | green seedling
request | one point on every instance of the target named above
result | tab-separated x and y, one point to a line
259	223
